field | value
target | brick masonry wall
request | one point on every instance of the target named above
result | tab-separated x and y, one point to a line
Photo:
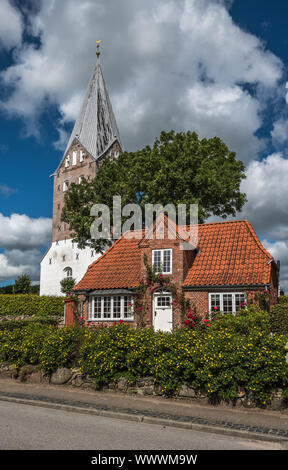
200	300
87	169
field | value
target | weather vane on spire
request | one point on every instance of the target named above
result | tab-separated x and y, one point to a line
98	48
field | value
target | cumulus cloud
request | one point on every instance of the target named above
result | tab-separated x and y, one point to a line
267	192
279	250
279	132
267	209
10	26
22	232
21	240
168	65
14	263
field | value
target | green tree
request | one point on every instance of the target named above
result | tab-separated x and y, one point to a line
22	285
179	169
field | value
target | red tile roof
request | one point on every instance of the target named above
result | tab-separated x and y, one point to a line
229	253
118	267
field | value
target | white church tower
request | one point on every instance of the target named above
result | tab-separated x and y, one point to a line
95	136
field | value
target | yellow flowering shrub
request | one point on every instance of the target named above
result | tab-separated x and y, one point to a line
217	360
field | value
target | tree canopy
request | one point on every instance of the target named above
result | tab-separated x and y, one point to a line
22	285
179	169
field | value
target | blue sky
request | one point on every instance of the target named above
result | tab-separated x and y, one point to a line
217	67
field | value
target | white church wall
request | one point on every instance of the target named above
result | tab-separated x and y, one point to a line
60	256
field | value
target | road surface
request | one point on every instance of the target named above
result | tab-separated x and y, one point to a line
26	427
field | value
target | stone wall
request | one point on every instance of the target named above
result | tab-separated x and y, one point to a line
145	386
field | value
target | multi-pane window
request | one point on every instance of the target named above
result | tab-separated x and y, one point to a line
240	301
107	307
97	307
127	307
227	302
162	260
113	307
163	301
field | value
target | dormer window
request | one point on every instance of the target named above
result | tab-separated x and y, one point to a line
65	185
162	261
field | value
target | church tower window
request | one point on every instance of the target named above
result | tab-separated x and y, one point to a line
68	272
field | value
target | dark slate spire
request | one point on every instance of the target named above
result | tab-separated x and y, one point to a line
96	128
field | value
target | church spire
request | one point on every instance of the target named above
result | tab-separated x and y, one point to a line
96	128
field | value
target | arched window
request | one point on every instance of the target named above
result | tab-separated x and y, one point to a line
68	271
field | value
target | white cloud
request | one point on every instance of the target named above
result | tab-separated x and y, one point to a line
22	232
279	251
267	209
15	263
157	57
21	239
10	26
267	192
279	132
219	110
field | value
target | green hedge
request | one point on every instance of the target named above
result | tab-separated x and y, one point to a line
217	361
279	319
283	299
29	304
12	324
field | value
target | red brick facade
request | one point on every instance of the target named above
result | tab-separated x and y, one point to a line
87	168
123	267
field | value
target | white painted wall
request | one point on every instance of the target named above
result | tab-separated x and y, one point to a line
52	274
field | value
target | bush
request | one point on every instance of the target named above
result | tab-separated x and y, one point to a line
60	348
279	319
23	346
217	360
29	304
245	322
11	324
283	299
108	353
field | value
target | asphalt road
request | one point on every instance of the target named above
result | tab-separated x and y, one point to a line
26	427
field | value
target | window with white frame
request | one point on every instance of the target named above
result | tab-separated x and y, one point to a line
227	302
67	159
74	158
111	307
81	159
65	185
162	260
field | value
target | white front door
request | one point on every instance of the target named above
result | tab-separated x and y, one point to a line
162	312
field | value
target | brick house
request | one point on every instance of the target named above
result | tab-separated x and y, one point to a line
228	263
